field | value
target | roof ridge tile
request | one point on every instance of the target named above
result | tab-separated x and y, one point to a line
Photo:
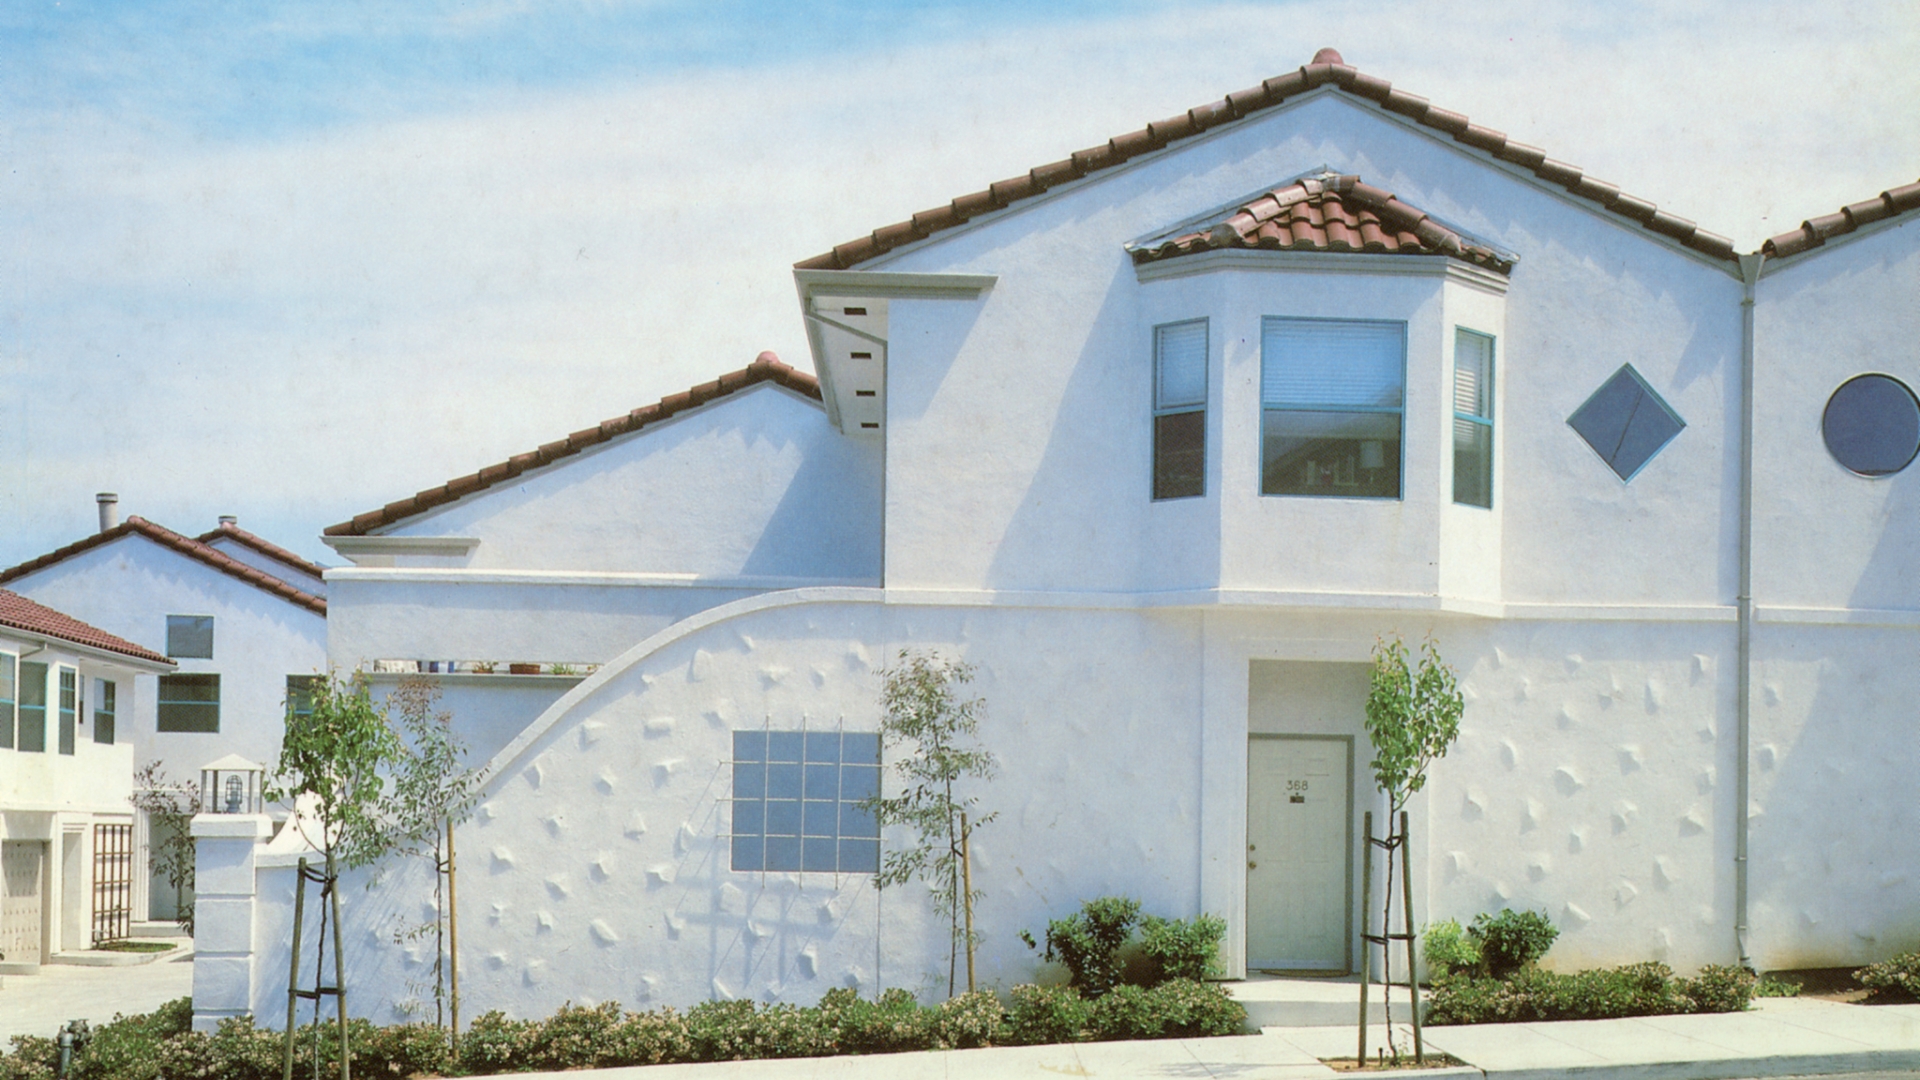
185	545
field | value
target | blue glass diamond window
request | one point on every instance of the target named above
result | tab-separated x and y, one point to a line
1625	422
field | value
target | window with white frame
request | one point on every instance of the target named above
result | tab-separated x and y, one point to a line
69	716
105	693
796	801
190	637
33	707
1472	418
1332	393
8	692
1180	409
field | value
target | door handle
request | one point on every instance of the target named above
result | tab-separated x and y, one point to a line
1251	865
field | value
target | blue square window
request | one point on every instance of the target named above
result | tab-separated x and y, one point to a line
796	802
1626	423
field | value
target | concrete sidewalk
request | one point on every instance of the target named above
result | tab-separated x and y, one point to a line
40	1004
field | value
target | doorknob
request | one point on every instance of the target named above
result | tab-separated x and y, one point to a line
1251	865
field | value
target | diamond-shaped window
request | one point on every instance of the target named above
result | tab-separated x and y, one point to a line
1625	422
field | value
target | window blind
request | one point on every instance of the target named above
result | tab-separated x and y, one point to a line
1325	363
1180	361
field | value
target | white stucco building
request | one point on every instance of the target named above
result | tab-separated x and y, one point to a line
1161	438
68	874
242	618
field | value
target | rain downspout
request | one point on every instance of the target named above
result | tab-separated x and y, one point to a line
1743	678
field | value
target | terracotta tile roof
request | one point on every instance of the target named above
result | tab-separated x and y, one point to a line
765	368
21	613
271	550
1817	231
1326	213
1327	69
185	545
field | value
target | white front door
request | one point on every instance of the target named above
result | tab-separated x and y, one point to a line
1299	814
22	864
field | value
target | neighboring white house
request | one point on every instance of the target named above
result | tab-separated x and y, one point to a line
243	619
1162	438
67	866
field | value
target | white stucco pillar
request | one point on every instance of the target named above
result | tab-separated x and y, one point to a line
223	914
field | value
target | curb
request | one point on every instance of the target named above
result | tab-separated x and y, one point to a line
97	958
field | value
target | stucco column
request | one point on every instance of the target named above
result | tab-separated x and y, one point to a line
223	914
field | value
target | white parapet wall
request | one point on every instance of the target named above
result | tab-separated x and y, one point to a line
224	967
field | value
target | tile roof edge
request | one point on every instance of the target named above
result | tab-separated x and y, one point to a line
1236	106
765	368
135	525
262	545
103	641
1814	232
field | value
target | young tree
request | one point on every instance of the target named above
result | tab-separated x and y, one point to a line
169	807
937	731
433	790
1413	717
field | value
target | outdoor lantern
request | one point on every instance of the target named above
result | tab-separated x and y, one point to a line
231	785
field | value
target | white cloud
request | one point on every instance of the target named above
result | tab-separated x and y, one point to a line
305	328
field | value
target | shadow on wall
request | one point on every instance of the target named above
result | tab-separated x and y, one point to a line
827	523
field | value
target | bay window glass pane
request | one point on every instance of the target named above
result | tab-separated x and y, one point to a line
1180	365
1331	393
69	708
1330	453
1179	455
105	706
1472	419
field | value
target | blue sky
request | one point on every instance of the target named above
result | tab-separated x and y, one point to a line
293	262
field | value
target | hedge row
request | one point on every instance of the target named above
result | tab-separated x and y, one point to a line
161	1044
1635	990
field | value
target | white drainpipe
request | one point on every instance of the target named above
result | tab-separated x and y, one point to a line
1743	684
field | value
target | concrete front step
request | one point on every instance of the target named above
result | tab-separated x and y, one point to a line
109	958
1307	1002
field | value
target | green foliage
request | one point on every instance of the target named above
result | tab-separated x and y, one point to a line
1448	949
1531	994
1510	940
162	1045
1038	1015
1897	979
170	806
1413	717
1088	942
339	753
1183	948
1772	986
937	729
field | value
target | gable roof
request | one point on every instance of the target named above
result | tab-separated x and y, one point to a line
1816	231
1325	213
20	613
1327	69
136	525
766	368
230	531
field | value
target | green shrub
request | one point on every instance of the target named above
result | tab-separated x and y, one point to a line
723	1031
576	1037
124	1047
655	1037
1510	940
969	1021
1188	1008
1772	986
493	1043
1089	942
1720	989
400	1051
1530	994
33	1058
1449	949
1183	948
1047	1014
1897	979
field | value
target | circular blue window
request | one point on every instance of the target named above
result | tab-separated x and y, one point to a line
1872	425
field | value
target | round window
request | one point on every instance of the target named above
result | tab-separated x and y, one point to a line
1872	425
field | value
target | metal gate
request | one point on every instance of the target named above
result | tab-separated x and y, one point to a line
22	870
112	882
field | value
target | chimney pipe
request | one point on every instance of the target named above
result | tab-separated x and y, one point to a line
227	520
109	509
